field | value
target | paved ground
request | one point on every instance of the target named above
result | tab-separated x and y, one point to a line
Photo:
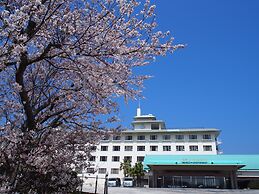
122	190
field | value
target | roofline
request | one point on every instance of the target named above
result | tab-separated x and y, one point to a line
244	170
172	130
148	116
239	166
203	155
148	121
173	164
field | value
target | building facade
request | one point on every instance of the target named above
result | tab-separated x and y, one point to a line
187	157
203	171
149	136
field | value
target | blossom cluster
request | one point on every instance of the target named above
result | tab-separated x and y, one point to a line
63	63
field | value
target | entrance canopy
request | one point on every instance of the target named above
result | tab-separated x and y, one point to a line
242	162
210	171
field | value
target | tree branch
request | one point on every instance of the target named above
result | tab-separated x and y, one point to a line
23	94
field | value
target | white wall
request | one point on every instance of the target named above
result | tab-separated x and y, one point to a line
147	143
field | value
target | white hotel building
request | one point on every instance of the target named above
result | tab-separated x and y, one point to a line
186	157
150	137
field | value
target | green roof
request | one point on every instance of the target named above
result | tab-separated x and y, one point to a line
251	162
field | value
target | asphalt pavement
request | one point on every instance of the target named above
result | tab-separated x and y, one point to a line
123	190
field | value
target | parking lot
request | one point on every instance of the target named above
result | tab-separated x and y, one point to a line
123	190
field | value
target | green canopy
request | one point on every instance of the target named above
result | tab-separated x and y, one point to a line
250	162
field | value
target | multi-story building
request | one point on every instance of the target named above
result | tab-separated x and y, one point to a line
150	136
172	157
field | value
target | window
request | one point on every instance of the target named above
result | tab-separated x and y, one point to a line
207	148
103	158
116	158
141	137
166	148
127	158
166	137
102	171
192	137
92	158
141	148
140	158
116	137
193	148
116	148
115	171
179	137
93	148
180	148
153	148
90	170
106	138
104	148
206	136
154	126
153	137
128	137
78	170
128	148
140	126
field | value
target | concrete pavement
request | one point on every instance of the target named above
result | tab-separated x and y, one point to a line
122	190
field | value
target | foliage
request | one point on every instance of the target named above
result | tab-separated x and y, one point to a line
126	167
62	65
137	171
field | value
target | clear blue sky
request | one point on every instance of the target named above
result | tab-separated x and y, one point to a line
214	82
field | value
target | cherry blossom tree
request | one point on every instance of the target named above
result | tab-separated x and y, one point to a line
63	63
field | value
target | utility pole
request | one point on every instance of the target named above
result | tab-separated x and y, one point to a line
96	181
106	184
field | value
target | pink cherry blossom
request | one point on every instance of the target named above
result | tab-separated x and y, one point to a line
63	63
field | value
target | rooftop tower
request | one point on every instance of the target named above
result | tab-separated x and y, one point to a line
147	122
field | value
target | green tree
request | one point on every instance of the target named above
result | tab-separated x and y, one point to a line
126	167
137	172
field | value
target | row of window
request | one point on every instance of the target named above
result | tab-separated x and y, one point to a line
103	170
117	158
155	137
152	148
155	148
